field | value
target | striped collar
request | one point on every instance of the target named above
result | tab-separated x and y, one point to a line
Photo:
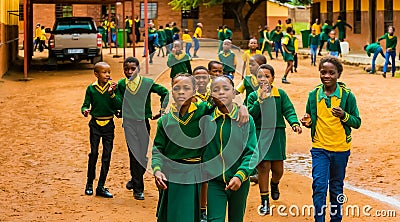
103	89
232	114
191	109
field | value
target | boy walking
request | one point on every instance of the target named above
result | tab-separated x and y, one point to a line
228	59
101	103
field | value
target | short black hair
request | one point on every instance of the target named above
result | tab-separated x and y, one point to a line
199	68
260	58
334	61
167	25
160	27
223	77
131	59
289	29
269	67
212	62
185	75
365	47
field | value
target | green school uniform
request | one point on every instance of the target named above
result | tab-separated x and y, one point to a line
261	37
276	36
333	46
138	100
168	35
249	84
265	45
341	25
227	34
175	30
162	38
231	153
371	48
179	64
228	61
178	138
100	102
351	118
268	115
391	41
325	32
313	39
288	41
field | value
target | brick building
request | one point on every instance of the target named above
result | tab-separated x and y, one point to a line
8	34
369	18
159	11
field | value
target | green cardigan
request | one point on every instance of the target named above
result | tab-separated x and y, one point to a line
179	65
100	102
390	43
348	103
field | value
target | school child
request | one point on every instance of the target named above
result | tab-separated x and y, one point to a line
228	59
267	42
187	39
135	92
324	36
43	37
288	54
162	39
391	43
317	27
266	104
313	39
221	37
376	49
101	103
331	112
333	45
249	83
215	69
168	35
276	36
248	54
128	27
198	32
289	23
227	33
37	42
235	149
341	25
175	31
180	186
200	74
178	61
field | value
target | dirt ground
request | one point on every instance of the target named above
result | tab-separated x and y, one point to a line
45	142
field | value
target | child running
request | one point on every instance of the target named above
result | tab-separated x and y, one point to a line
253	45
249	83
101	103
228	59
333	45
135	92
331	112
288	44
229	158
269	106
391	43
178	61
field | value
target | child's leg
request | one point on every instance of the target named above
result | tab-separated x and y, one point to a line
269	50
393	55
196	46
320	47
237	202
94	150
376	53
295	62
217	200
107	141
263	169
280	47
337	173
277	173
288	68
203	199
320	173
387	55
276	49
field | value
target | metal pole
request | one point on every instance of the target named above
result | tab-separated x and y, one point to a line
146	35
116	30
124	26
26	39
133	32
108	27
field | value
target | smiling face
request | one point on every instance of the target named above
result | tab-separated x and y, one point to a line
130	70
329	74
253	44
332	34
216	70
202	79
264	77
182	90
103	73
223	90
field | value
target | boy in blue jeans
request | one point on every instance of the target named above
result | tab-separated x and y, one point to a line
313	39
331	112
391	43
376	49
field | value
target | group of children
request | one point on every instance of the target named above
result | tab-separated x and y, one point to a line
207	146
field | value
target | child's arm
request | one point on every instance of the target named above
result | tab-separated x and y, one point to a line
352	117
306	120
171	60
160	142
240	88
85	109
253	103
164	96
348	25
309	41
382	37
289	112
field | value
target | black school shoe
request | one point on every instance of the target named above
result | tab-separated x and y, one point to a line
264	208
285	81
129	185
138	196
274	190
103	192
89	189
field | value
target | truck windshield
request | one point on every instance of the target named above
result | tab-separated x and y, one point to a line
74	24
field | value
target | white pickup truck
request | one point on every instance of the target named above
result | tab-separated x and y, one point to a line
75	39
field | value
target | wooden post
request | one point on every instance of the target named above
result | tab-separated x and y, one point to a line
26	45
108	27
134	31
146	35
124	26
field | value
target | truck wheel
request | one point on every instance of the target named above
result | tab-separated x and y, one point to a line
97	59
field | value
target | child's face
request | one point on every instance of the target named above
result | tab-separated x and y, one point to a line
131	70
329	74
223	90
216	70
202	79
390	30
177	47
182	90
313	31
226	46
332	35
253	44
103	74
253	65
264	77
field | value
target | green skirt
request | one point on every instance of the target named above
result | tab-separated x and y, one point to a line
272	144
288	56
179	203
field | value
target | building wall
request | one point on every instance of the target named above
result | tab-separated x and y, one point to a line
276	12
8	34
299	15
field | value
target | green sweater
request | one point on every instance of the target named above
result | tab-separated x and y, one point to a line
371	48
325	32
179	140
162	38
228	61
348	103
249	87
390	42
333	47
221	35
313	39
168	35
290	44
264	114
137	105
175	30
99	101
276	36
179	65
237	154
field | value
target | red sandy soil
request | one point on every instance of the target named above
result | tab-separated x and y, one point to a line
45	141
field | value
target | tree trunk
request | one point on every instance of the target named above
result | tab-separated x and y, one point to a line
244	20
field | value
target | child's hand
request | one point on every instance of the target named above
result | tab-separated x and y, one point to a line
160	180
234	184
297	129
243	116
338	112
86	112
306	120
112	88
